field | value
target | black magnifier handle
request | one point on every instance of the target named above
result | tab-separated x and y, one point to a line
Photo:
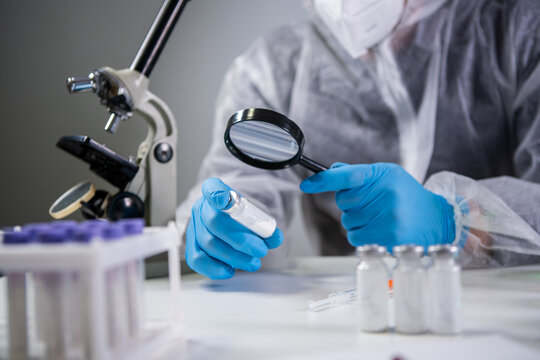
311	165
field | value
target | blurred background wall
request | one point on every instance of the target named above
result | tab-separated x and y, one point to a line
44	42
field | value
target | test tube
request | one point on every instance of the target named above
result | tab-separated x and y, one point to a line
79	342
372	288
134	272
52	301
17	302
444	285
410	290
116	293
249	215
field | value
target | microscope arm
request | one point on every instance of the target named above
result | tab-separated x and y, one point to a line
155	181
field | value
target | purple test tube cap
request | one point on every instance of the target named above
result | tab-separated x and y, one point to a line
36	228
18	238
112	232
95	223
69	226
64	223
86	234
52	236
132	226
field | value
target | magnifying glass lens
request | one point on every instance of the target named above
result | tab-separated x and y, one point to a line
267	140
263	141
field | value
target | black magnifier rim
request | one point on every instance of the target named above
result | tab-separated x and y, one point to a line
270	117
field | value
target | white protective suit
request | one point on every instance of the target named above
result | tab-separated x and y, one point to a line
453	96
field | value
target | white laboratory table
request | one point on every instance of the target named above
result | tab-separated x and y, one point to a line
264	315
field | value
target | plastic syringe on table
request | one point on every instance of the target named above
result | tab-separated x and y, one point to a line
333	299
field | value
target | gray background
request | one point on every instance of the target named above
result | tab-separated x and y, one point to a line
43	42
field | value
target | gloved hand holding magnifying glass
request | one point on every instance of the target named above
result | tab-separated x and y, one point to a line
381	203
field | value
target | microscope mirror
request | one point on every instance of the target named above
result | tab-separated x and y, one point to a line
70	201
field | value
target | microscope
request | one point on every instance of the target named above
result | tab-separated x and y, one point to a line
146	184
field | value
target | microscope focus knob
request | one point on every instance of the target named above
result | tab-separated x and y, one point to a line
125	205
75	85
113	122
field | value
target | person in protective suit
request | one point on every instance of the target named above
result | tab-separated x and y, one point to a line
429	111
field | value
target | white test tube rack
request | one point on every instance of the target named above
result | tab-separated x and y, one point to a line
94	260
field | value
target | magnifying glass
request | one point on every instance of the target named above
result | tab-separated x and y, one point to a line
267	140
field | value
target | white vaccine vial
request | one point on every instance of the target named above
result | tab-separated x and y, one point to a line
444	291
372	289
247	214
410	299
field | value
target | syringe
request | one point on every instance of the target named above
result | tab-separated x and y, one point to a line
333	299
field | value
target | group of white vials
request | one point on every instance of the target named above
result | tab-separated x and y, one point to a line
423	299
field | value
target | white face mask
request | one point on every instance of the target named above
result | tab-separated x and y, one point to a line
359	24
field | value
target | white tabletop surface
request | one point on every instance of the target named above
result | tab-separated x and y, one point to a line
264	315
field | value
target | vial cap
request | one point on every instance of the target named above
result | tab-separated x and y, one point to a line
371	250
443	251
409	251
132	226
17	238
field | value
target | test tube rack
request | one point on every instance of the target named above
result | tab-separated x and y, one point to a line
93	261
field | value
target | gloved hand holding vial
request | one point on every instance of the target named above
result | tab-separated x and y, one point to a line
228	232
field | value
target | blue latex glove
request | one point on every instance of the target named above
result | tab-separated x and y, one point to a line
216	244
383	204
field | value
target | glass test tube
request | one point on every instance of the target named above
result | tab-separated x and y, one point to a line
80	341
372	289
444	291
249	215
409	282
52	291
134	275
76	343
17	303
116	294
